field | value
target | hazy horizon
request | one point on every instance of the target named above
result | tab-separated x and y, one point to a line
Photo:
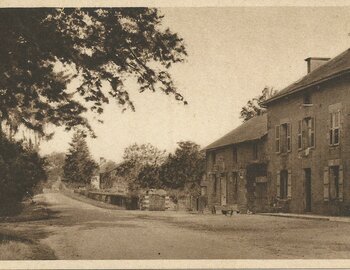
234	52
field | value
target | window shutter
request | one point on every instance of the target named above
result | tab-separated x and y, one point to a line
289	195
289	137
278	139
341	124
278	181
313	127
329	126
326	184
341	183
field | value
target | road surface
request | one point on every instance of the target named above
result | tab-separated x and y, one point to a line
78	230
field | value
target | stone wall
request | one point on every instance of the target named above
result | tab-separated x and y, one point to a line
291	109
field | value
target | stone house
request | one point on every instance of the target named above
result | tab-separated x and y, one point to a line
236	168
308	130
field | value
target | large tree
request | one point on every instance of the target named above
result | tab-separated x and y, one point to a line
184	168
140	166
79	166
253	107
43	50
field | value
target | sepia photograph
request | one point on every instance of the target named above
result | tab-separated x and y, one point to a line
157	133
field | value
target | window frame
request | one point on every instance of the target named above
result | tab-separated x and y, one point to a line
289	137
278	139
283	184
285	137
309	132
235	154
307	100
300	135
334	127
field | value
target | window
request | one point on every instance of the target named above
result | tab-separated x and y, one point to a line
334	131
215	183
334	182
235	186
234	155
289	138
310	132
255	151
213	158
285	143
307	99
284	184
203	190
277	138
300	138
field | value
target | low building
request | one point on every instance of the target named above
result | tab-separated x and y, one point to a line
236	168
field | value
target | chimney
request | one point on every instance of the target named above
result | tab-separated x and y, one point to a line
315	62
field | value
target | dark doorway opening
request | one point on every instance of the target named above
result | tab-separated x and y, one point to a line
308	196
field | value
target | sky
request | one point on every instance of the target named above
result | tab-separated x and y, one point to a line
233	53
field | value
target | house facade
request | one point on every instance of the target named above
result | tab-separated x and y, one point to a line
308	140
236	168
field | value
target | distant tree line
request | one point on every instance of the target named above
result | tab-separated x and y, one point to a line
143	166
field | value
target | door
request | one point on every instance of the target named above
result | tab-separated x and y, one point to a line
223	185
308	197
261	196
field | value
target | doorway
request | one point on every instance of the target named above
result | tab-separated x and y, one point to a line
223	185
308	193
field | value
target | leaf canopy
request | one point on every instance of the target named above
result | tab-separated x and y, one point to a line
43	50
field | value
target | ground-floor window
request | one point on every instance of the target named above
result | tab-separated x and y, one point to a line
203	190
215	183
284	184
334	182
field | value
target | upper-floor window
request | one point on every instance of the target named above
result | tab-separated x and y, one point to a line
277	139
213	157
309	131
234	154
300	135
334	132
307	98
306	133
255	151
283	138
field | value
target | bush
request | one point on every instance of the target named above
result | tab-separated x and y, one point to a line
21	169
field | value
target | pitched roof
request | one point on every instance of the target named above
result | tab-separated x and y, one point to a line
335	67
253	129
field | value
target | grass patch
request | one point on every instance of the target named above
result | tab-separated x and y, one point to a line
13	250
13	246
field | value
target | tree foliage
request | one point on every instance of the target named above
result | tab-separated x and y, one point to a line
43	50
185	167
253	107
79	166
21	169
145	166
140	166
54	166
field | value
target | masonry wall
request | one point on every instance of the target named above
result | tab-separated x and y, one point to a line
335	93
233	171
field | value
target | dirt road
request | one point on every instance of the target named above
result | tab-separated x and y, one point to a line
78	230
